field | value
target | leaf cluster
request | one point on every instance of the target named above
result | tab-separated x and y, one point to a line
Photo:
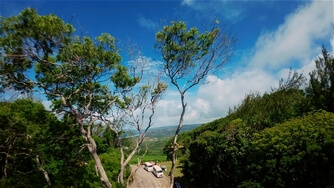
181	48
26	39
191	55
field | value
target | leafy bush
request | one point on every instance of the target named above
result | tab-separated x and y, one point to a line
297	153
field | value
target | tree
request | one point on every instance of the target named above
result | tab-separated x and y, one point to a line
132	113
188	57
296	153
73	72
294	81
217	157
134	104
21	124
321	87
272	108
219	152
38	150
61	157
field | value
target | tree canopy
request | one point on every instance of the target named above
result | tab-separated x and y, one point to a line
81	76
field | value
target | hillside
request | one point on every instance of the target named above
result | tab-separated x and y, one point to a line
156	139
169	131
268	141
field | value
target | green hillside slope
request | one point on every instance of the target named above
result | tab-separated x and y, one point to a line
270	140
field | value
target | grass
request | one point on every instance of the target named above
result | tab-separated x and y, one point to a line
154	152
155	145
147	158
178	175
177	169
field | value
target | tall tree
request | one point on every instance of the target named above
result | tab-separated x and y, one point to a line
73	72
321	87
189	56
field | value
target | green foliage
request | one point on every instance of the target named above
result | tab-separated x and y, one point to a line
181	48
321	88
27	130
21	124
262	143
70	70
267	110
297	153
184	50
45	34
62	156
220	154
121	79
160	88
73	72
111	163
105	140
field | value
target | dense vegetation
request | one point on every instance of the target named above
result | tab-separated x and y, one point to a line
284	138
86	83
34	142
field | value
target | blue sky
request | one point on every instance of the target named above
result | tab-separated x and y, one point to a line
273	36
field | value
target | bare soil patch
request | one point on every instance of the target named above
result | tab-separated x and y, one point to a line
145	179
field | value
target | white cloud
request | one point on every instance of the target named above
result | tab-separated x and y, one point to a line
147	23
149	65
295	43
294	40
187	2
221	94
47	104
214	99
332	42
227	9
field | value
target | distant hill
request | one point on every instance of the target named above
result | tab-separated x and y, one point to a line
168	131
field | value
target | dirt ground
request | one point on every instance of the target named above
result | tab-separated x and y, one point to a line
145	179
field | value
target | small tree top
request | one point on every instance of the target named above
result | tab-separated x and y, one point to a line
191	55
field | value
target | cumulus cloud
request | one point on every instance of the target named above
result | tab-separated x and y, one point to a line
220	94
214	99
295	39
295	43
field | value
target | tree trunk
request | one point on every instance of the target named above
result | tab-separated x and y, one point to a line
92	149
6	165
45	173
124	163
91	145
121	173
179	127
